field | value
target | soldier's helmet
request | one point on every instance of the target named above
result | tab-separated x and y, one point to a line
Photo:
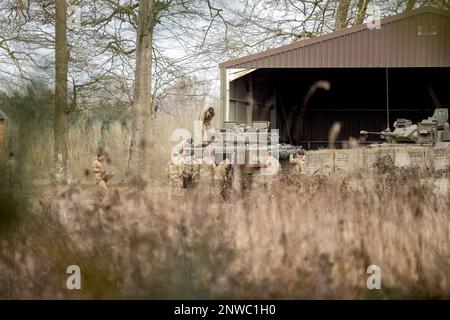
209	113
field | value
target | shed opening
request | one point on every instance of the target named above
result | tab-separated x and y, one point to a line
358	98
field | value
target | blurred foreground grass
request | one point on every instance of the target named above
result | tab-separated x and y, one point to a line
313	237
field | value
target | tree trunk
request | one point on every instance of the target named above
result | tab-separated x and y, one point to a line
362	9
61	107
142	99
341	14
410	5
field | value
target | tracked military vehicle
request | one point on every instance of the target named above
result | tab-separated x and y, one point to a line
242	151
424	146
429	131
243	144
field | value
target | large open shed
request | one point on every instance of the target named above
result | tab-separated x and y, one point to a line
364	77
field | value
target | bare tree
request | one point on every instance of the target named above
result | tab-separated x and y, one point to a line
341	14
141	108
61	106
410	5
362	9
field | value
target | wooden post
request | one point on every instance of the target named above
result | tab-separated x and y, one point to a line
224	96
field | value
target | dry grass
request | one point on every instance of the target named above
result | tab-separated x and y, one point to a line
312	238
85	139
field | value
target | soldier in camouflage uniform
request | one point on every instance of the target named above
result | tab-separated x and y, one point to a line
102	176
298	162
204	174
189	172
206	116
266	179
99	171
222	181
175	174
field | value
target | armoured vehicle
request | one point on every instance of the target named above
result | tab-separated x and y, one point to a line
424	146
245	147
243	144
433	130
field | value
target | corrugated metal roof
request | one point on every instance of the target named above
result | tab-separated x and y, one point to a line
420	38
240	73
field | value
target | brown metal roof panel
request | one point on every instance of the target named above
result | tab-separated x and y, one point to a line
409	35
441	41
347	51
360	50
384	47
353	56
397	49
296	60
285	58
325	53
446	46
279	59
313	53
393	45
319	52
316	55
289	59
437	44
410	41
332	56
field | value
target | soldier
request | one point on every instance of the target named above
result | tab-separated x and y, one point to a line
175	173
59	167
102	176
298	161
204	173
188	171
206	116
187	164
271	165
221	178
268	172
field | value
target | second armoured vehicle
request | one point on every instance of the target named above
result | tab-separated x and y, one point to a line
428	131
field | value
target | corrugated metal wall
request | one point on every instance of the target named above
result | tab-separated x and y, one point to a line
421	40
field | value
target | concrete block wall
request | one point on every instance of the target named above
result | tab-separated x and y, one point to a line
364	159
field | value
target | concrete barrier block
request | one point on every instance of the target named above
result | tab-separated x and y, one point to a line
319	162
348	160
373	155
440	158
410	157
